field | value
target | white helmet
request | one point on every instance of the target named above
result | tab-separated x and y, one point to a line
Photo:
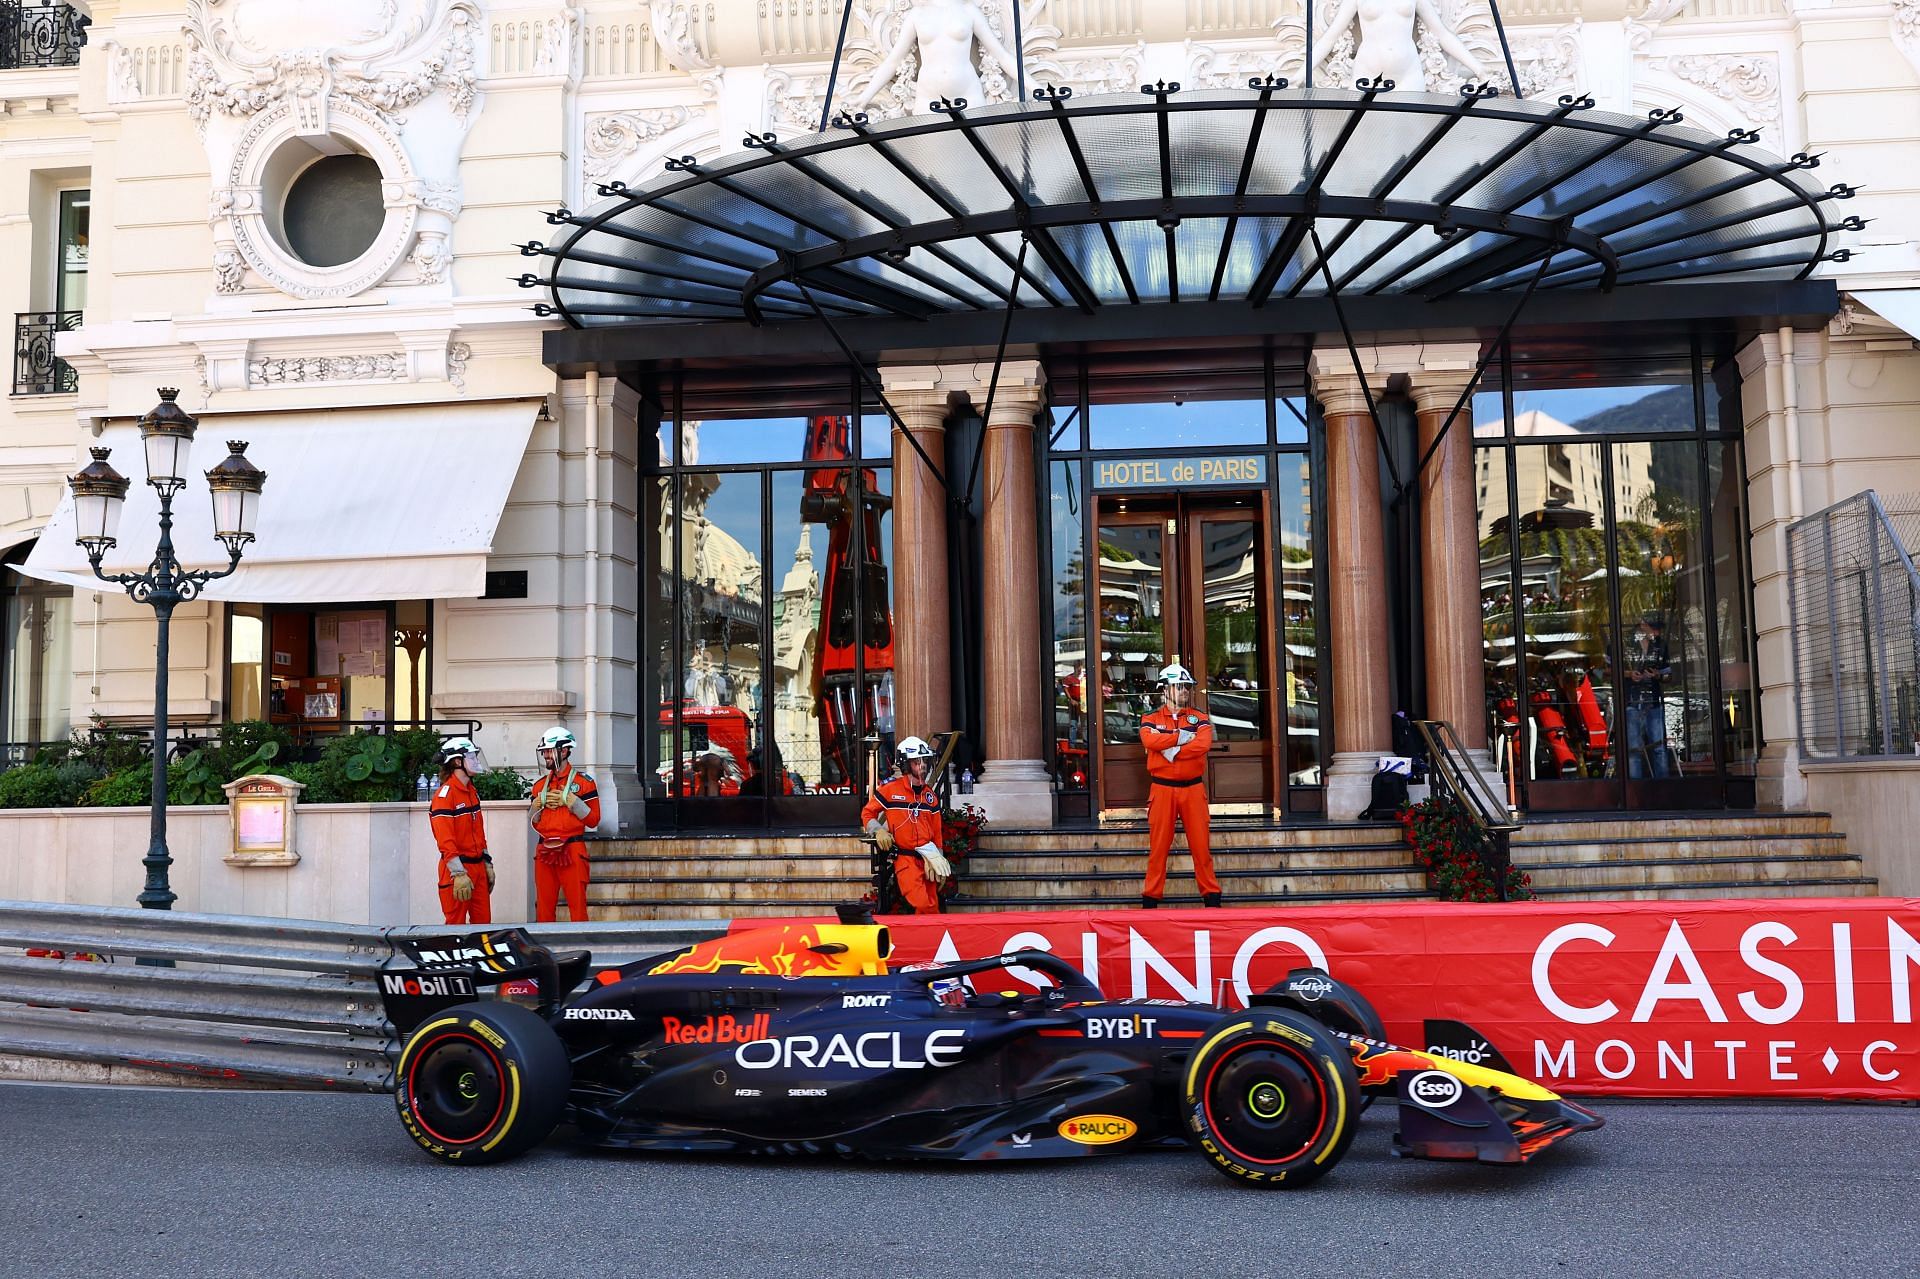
1175	674
913	748
554	739
462	747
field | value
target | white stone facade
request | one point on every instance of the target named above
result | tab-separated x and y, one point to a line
183	118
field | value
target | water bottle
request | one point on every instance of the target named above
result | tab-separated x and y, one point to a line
423	787
966	780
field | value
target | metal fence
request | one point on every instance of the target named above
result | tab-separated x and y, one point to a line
1856	628
41	33
268	1001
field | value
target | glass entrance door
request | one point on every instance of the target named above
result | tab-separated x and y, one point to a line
1185	580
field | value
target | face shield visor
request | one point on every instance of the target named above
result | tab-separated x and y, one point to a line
550	756
476	761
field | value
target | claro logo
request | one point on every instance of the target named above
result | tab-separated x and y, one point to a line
875	1050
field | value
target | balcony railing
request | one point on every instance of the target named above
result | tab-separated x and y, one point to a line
41	33
36	369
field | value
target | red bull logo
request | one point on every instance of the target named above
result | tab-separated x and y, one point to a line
725	1029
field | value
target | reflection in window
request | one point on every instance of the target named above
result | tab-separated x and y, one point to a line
39	656
1069	525
1740	725
1132	625
1592	410
1499	612
1664	600
729	441
1489	409
656	645
722	618
411	661
246	659
1299	620
1189	424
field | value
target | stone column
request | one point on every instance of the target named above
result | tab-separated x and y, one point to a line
1357	603
1016	789
1450	562
922	657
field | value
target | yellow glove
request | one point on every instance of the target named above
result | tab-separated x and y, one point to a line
939	869
463	887
553	799
882	835
492	878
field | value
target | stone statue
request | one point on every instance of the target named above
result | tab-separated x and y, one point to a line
1386	45
942	32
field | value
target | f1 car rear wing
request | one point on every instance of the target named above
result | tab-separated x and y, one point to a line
430	973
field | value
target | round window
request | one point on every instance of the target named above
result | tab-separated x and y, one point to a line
333	212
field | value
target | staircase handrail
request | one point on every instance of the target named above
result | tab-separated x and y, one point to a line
1461	777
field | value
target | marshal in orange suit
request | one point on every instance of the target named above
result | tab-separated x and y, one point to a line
1177	739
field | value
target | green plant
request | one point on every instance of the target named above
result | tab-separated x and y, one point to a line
375	768
244	739
106	751
32	786
128	788
200	776
1453	850
308	775
501	783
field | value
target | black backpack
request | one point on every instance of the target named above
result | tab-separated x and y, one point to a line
1389	795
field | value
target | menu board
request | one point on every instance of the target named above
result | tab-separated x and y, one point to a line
352	643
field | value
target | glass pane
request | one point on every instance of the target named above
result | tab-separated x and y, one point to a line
1299	614
1566	612
76	217
246	646
663	443
876	435
1497	609
1592	410
1290	419
1069	526
411	661
876	613
723	615
355	647
1489	409
1739	706
814	641
1177	424
1235	667
1664	597
727	441
656	643
39	662
1133	620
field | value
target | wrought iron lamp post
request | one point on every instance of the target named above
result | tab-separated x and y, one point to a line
99	493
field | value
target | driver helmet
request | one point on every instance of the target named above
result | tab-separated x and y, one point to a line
552	741
912	748
1175	674
455	748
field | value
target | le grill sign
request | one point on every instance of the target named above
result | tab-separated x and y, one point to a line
1244	469
1735	998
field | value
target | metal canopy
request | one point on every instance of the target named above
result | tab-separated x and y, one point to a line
1168	197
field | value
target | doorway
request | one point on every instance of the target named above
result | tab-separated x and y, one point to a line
1185	579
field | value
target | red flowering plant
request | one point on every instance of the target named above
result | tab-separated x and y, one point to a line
962	834
1453	852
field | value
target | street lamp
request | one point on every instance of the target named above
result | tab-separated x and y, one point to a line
99	493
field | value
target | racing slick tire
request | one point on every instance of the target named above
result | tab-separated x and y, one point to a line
1272	1099
481	1083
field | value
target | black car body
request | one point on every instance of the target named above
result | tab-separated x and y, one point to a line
802	1038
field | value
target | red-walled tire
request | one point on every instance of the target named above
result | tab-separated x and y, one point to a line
481	1083
1271	1098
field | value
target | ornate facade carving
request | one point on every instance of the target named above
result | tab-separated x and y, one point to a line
1904	22
369	366
1751	81
1446	43
672	26
610	138
395	80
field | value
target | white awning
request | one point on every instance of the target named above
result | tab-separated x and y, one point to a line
1898	307
360	504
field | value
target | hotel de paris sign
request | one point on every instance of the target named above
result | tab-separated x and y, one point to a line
1243	470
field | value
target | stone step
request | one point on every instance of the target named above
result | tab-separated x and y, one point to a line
731	866
1134	835
1125	886
1177	896
772	889
1838	887
738	845
1770	870
1546	827
1705	847
1073	864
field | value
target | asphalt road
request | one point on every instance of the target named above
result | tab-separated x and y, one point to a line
144	1182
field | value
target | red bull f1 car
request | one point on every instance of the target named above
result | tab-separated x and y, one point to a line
802	1038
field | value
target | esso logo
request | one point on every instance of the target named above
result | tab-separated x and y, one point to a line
1435	1089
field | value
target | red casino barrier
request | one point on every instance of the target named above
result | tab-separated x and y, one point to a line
1733	998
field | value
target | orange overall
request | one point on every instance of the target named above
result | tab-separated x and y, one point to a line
560	862
913	818
461	837
1178	794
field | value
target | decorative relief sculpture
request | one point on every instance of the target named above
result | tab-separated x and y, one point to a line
1751	81
940	35
1387	48
394	80
610	139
